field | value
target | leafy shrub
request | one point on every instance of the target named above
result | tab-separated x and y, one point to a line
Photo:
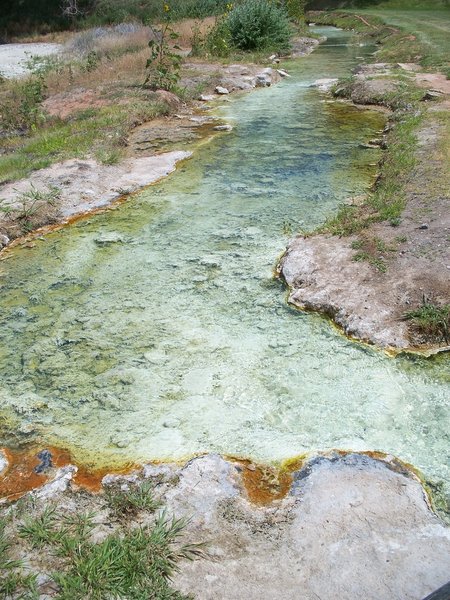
295	9
218	40
20	106
164	65
252	25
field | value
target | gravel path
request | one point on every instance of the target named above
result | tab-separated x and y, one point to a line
13	56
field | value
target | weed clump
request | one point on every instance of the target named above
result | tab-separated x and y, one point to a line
32	209
133	561
253	25
130	502
431	320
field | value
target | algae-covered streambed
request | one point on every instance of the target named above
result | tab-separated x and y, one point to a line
157	330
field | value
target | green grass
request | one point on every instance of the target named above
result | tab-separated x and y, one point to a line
431	28
136	565
129	502
41	530
135	562
13	579
432	320
375	261
100	132
387	201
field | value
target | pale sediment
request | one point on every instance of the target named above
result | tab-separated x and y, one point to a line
84	185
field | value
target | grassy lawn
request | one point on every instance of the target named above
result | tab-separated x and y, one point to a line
431	26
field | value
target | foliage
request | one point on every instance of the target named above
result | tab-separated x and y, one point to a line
258	25
20	105
432	320
129	502
295	9
135	563
251	25
218	40
163	66
107	12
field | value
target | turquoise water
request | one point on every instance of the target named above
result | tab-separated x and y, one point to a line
176	339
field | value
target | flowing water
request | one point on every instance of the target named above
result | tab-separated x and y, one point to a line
176	339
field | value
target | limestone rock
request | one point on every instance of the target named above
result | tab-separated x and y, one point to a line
223	128
106	239
222	91
59	483
324	85
4	240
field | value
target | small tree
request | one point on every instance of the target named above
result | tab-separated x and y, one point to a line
164	65
295	9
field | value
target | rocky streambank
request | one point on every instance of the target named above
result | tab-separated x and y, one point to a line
346	526
74	187
368	281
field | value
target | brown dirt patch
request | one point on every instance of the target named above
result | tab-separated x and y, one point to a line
68	103
433	81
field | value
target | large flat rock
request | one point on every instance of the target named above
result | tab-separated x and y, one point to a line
351	528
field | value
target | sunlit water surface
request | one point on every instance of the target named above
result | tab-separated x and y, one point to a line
178	340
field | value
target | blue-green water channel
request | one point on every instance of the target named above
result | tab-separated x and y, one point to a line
177	339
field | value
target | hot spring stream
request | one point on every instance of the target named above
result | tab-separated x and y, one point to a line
176	339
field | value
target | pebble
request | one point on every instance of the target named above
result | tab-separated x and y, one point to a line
223	128
423	226
221	90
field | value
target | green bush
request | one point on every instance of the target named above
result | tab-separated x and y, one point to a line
253	25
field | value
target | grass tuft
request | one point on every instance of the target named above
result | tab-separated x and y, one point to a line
129	502
431	320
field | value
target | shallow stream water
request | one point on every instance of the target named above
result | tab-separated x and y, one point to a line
157	330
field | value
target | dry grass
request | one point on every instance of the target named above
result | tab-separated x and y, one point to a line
55	37
111	45
186	28
128	68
